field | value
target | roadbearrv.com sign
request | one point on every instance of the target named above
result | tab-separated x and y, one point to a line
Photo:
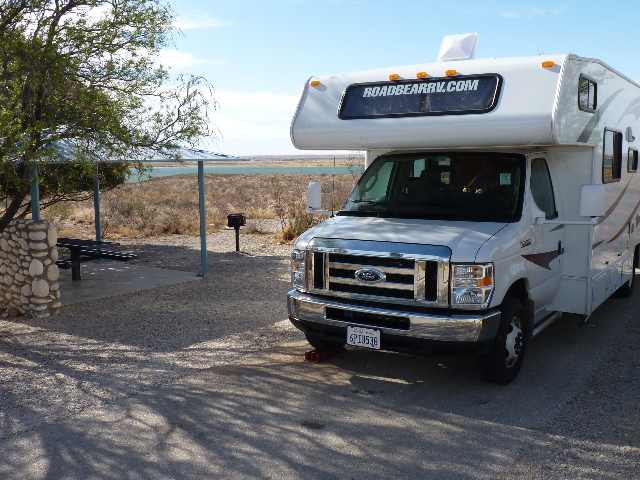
459	95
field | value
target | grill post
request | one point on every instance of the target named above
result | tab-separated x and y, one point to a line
235	221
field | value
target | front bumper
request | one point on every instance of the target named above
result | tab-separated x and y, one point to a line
305	309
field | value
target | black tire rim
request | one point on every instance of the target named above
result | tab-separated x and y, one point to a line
514	341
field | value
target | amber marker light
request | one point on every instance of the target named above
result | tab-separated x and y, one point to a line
422	75
548	64
451	73
315	83
394	77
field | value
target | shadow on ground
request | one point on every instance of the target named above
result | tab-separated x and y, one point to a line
208	381
273	416
240	292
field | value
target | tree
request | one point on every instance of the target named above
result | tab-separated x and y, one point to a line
84	73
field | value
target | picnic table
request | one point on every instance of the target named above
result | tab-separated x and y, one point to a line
87	250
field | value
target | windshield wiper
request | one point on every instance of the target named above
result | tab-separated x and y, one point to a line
369	202
361	213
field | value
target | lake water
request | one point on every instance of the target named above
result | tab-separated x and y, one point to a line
157	172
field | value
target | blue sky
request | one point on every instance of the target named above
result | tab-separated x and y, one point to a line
258	54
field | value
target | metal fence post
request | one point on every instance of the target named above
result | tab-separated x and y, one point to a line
203	220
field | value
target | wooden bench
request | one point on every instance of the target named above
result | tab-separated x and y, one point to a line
87	250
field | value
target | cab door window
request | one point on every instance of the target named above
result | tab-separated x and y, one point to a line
542	188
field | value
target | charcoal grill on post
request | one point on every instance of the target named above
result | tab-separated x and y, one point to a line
235	221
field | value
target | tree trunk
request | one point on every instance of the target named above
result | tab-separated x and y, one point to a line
12	209
22	190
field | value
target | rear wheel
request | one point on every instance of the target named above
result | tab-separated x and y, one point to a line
322	344
626	290
504	360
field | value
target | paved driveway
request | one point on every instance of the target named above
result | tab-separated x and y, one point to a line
226	394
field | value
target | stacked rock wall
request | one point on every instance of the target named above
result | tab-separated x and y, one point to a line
28	271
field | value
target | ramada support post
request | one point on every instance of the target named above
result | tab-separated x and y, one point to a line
203	220
96	205
35	193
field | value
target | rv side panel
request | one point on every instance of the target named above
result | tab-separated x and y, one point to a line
615	234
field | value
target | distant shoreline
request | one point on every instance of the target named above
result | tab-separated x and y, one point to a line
251	168
275	161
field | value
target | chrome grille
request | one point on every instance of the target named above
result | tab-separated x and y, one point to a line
413	273
398	282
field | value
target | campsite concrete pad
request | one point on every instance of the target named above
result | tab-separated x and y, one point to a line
104	279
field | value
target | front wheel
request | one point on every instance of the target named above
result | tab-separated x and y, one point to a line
504	360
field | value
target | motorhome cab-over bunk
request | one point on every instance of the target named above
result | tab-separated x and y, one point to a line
498	195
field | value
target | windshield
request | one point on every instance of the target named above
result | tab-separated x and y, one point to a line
485	187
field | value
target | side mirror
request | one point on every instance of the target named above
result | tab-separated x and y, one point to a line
593	201
314	197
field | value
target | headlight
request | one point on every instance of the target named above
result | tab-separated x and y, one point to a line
471	285
298	269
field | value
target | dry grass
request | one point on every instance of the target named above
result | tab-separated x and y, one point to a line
169	205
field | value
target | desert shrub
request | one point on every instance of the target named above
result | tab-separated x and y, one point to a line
61	211
298	221
254	227
169	205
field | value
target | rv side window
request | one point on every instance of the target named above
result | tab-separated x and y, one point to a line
542	188
587	94
611	156
632	160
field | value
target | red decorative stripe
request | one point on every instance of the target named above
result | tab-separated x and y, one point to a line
543	259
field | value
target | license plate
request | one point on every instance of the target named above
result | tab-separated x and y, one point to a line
363	337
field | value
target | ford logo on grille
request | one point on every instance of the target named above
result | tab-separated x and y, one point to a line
370	275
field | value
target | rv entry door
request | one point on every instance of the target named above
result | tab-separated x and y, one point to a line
545	258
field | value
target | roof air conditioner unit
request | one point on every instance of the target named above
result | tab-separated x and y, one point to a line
458	47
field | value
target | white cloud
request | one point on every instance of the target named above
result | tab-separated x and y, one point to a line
254	122
179	60
201	23
101	12
531	12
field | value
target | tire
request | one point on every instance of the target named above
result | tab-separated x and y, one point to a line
626	290
504	360
323	345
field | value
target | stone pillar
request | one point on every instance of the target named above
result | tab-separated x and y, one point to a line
28	271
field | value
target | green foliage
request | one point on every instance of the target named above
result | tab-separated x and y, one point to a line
85	73
75	176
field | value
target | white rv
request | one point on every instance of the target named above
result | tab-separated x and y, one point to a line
498	194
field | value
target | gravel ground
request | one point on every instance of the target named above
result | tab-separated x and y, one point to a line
176	252
104	350
206	380
597	432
